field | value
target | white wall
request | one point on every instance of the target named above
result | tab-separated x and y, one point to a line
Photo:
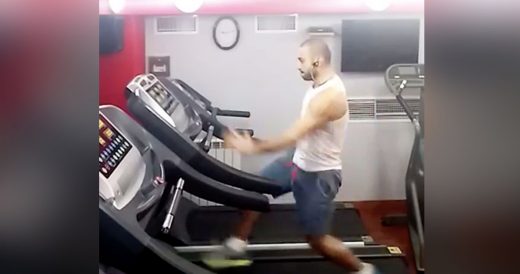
260	75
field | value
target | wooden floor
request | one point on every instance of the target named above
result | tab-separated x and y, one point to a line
371	214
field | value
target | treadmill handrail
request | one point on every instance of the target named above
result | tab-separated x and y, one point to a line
398	89
194	93
205	114
209	107
193	155
204	187
233	113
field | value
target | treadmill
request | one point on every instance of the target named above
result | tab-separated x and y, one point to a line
165	110
398	78
138	174
201	103
131	182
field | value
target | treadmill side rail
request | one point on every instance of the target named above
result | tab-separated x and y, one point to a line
259	247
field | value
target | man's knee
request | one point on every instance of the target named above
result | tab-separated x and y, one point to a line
317	242
250	215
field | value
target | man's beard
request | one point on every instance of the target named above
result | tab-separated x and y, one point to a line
306	75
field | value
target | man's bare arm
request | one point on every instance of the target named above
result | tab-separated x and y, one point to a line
328	106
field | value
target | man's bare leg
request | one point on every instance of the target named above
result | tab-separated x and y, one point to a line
245	226
334	250
237	243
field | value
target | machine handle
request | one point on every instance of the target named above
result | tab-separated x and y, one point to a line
233	113
214	112
167	224
247	131
209	136
207	188
194	93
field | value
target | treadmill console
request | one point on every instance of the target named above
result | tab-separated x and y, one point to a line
162	101
113	147
399	76
406	71
121	166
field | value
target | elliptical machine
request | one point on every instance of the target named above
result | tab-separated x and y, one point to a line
400	77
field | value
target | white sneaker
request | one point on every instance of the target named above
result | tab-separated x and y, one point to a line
367	269
234	247
231	254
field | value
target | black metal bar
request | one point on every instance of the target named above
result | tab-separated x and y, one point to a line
233	113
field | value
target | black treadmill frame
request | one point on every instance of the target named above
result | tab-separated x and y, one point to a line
124	244
192	154
414	182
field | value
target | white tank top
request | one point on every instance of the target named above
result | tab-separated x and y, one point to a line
321	149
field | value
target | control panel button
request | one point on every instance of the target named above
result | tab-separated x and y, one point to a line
158	181
108	133
113	146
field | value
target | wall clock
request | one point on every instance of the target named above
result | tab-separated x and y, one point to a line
226	33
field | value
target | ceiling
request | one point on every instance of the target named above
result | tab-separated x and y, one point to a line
158	7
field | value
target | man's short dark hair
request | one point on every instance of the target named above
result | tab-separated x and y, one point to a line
318	48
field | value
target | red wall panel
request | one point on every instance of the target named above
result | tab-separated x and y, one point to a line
117	69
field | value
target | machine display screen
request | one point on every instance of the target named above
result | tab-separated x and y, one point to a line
407	71
161	96
113	147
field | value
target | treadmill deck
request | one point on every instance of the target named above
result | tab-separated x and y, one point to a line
215	223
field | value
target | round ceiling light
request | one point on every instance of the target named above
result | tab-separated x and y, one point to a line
188	6
378	5
116	6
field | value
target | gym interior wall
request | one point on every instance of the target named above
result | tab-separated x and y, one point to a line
376	152
117	68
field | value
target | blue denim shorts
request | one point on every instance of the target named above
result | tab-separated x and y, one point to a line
313	192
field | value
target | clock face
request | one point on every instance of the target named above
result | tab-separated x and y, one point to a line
226	33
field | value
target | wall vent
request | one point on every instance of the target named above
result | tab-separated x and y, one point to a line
180	24
390	109
380	109
361	109
276	23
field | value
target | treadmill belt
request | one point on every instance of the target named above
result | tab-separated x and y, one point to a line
389	265
210	224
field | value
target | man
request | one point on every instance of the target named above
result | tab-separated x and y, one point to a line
313	171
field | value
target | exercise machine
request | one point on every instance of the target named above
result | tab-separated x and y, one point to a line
131	182
139	175
200	103
163	109
186	95
398	78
